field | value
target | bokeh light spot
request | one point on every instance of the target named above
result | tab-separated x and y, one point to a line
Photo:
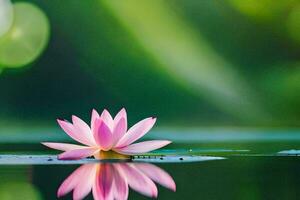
27	37
6	16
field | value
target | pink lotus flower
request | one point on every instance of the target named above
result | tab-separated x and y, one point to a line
109	181
105	134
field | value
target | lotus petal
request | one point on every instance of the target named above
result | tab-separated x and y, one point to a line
78	153
119	130
108	120
121	114
120	186
73	180
102	188
142	147
95	116
103	135
62	146
139	181
136	132
157	174
72	132
83	129
83	188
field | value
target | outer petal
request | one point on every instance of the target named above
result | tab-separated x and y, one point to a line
106	117
78	153
77	176
95	116
72	132
157	174
103	135
119	130
121	114
142	147
62	146
136	132
83	188
84	130
102	189
139	181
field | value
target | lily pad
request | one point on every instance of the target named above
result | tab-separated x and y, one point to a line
52	159
196	151
174	159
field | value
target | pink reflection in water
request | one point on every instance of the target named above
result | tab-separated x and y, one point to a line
109	181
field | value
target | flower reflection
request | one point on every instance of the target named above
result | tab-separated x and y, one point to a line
109	181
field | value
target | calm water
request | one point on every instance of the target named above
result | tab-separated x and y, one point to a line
255	170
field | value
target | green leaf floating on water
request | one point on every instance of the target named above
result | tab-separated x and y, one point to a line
193	152
52	159
27	37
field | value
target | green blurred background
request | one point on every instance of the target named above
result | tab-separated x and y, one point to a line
190	63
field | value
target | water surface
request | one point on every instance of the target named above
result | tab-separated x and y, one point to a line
245	168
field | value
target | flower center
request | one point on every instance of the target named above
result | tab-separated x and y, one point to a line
110	155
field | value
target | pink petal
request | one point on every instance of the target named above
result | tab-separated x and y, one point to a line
142	147
103	136
83	188
139	181
78	153
157	174
95	116
119	130
121	114
72	132
62	146
120	186
102	188
106	117
83	129
136	132
77	176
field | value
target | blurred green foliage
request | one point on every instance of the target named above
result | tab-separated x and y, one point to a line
14	184
187	62
26	191
293	23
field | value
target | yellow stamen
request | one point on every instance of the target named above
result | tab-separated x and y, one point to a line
110	155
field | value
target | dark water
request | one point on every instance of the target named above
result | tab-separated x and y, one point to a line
250	170
238	177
